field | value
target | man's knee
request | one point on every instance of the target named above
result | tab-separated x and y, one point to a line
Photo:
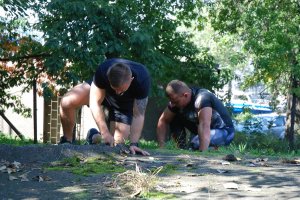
73	100
67	103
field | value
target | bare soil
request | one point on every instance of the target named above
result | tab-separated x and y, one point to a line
192	177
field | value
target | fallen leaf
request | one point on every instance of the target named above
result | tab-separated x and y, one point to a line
225	163
222	171
11	178
231	185
11	170
16	164
24	177
2	168
47	178
41	178
151	158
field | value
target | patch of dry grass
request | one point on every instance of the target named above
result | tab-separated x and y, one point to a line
136	182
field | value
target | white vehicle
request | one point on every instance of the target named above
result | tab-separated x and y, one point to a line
240	101
264	123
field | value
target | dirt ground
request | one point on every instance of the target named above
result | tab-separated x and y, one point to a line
194	176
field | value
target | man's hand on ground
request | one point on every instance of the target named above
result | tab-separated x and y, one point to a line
108	139
122	149
136	150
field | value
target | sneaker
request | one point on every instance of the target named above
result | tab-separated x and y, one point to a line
63	140
90	134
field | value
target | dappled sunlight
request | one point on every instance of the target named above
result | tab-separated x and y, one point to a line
71	189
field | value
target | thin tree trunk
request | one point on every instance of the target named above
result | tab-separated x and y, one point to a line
12	126
292	117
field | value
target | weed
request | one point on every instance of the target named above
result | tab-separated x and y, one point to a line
240	148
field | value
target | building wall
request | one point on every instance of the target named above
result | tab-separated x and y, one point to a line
24	125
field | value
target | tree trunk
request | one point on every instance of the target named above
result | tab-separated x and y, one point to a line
293	114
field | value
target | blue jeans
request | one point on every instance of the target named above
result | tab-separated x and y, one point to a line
218	137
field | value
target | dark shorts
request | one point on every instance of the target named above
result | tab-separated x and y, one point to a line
122	114
218	137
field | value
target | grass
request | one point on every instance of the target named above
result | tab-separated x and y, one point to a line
252	144
158	195
169	169
86	166
5	139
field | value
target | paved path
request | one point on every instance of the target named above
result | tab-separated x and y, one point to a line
192	177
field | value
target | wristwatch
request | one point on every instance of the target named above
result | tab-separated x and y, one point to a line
134	144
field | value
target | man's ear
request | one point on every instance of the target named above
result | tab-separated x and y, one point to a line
185	94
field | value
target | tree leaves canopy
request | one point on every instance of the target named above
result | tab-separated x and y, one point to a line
79	35
84	33
270	31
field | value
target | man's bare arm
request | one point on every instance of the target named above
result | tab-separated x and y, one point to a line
97	96
137	125
204	116
162	126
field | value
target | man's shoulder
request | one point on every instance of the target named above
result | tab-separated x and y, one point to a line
200	91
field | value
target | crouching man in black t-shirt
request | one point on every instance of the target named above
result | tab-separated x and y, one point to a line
122	87
198	110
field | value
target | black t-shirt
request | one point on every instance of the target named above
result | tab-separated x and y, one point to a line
138	89
204	98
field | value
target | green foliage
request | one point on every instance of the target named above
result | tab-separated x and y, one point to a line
5	139
245	115
17	46
171	145
270	33
79	35
148	144
84	33
261	144
269	30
